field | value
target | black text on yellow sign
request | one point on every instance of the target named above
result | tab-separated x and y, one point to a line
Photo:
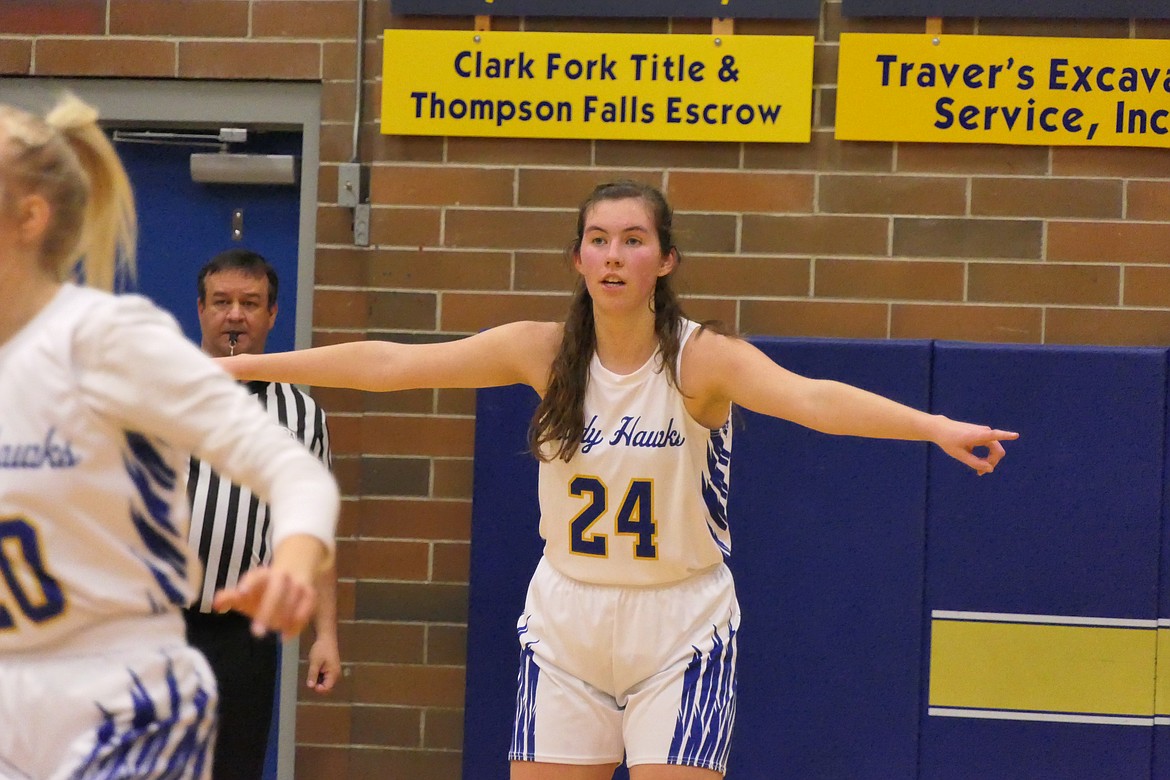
1006	90
616	86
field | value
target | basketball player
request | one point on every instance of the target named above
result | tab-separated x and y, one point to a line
628	636
101	399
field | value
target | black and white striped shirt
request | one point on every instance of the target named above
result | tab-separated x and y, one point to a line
230	527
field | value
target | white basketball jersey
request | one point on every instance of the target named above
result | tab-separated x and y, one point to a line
93	504
644	499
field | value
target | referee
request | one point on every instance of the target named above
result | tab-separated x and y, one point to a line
230	527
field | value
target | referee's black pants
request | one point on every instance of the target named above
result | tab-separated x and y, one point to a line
245	670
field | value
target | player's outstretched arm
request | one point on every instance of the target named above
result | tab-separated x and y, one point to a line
517	352
732	370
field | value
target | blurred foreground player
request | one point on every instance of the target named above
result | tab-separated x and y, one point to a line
101	399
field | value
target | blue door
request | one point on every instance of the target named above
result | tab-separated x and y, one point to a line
183	223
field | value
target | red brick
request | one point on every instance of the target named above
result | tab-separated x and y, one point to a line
61	17
868	194
180	18
425	686
271	61
444	185
105	57
15	57
319	19
814	318
1051	283
1114	328
748	191
1109	242
916	280
1009	324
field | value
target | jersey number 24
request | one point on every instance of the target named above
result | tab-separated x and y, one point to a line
635	517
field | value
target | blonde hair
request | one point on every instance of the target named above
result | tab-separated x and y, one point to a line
67	159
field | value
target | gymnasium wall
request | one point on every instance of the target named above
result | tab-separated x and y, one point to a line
985	243
902	616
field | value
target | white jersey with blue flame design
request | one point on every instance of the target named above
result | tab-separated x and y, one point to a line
644	499
101	399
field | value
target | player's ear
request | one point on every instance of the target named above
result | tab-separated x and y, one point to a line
32	217
669	262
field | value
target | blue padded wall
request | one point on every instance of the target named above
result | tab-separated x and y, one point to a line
827	552
1069	526
505	548
1161	762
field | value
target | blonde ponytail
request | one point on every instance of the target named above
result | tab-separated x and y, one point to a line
107	234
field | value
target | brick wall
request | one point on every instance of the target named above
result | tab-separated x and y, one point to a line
986	243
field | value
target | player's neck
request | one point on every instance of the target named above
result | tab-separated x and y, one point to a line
24	295
625	344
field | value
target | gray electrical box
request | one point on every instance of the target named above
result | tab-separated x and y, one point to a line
352	182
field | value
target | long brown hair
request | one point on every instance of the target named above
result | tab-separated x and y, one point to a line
67	159
559	421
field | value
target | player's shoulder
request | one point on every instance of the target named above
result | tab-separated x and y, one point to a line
79	303
92	318
526	347
537	338
130	308
536	329
709	356
709	339
532	338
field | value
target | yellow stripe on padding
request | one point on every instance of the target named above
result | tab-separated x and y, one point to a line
1044	668
1162	689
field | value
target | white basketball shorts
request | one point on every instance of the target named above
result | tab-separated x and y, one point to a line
144	714
643	673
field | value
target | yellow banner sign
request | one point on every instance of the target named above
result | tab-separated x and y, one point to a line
604	86
1005	90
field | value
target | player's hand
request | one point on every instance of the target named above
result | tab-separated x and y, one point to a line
275	599
280	597
324	665
960	440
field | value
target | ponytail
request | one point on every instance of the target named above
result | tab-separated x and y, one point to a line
106	235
